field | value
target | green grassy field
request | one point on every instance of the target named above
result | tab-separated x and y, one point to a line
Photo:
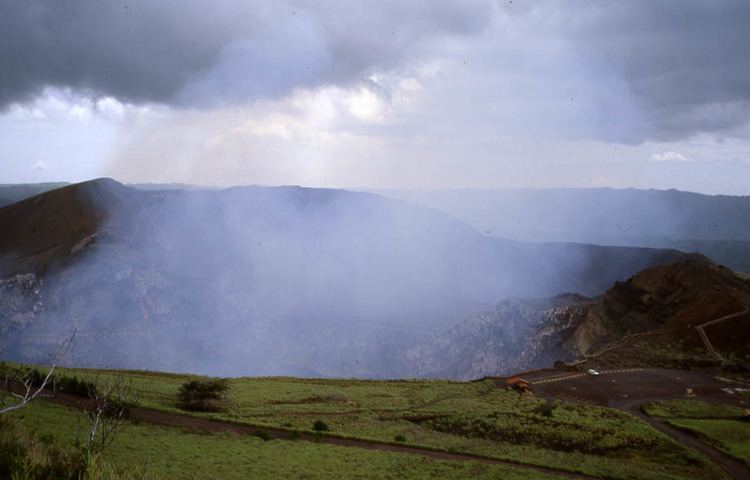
475	418
721	425
172	453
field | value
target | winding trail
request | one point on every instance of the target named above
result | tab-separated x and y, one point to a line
734	468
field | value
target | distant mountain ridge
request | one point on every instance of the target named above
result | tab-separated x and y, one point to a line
262	280
715	225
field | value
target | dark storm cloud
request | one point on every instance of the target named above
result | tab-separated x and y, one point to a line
687	63
196	52
645	70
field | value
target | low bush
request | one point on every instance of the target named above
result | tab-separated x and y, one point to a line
320	426
203	395
546	409
262	434
74	386
63	383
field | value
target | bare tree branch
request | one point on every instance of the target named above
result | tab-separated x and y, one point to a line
29	392
110	403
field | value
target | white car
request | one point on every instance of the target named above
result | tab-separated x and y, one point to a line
591	371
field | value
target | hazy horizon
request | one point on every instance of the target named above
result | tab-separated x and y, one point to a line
371	190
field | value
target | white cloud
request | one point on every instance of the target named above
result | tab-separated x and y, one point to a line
668	156
110	106
365	105
80	112
40	166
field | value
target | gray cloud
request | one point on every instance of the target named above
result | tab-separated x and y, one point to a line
687	63
194	52
623	72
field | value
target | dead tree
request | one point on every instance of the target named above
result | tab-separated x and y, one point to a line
109	408
31	389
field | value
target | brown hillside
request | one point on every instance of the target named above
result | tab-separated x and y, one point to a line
46	228
659	308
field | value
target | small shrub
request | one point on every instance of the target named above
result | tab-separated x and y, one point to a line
399	438
203	395
320	426
295	435
75	386
546	409
64	383
262	434
35	377
116	408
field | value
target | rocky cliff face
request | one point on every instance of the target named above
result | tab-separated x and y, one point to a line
664	302
20	299
518	335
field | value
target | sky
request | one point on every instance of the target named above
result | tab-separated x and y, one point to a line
378	94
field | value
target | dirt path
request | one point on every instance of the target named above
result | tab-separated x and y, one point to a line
734	468
192	423
704	337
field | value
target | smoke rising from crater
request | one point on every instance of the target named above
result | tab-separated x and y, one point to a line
272	281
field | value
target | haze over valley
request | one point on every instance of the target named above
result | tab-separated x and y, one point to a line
264	281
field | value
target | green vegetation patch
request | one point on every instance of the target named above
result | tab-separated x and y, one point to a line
565	428
730	436
724	426
693	409
463	417
173	453
59	382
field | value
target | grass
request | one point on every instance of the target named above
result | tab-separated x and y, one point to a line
173	453
475	418
721	425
